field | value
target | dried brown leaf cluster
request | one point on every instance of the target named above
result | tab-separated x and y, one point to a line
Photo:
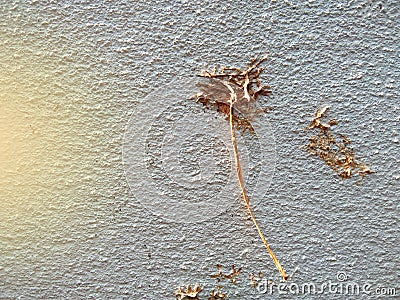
232	277
188	293
193	294
216	295
244	83
337	155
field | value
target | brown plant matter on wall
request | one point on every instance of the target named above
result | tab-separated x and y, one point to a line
337	155
188	293
254	280
233	92
216	294
244	84
193	294
232	276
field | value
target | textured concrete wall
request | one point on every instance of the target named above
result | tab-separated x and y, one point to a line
72	73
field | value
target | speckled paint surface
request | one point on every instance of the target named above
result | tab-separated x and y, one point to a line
71	75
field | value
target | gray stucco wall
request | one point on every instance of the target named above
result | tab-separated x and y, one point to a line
72	74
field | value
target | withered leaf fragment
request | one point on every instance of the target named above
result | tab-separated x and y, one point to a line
337	155
232	276
219	274
245	84
254	280
216	294
189	293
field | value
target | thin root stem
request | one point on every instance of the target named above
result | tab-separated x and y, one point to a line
239	173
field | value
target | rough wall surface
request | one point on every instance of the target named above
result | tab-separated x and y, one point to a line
72	73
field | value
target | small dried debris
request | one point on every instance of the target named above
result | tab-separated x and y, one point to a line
252	280
233	276
219	274
337	155
216	294
255	280
189	293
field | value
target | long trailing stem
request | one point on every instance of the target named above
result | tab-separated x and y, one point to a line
239	173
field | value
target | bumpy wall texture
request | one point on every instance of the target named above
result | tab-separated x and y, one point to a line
72	74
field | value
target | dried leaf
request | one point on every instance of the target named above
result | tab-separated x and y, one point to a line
254	280
216	93
189	293
232	276
336	155
216	294
233	92
219	274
